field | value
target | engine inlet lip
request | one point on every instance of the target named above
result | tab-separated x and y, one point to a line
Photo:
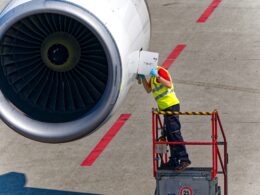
67	131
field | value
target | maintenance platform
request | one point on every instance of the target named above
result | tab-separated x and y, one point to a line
192	181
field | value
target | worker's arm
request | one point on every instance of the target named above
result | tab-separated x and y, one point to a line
164	82
161	79
141	79
146	85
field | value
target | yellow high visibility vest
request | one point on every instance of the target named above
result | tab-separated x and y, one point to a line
165	97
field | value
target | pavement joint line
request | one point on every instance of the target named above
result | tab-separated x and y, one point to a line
173	56
206	14
104	142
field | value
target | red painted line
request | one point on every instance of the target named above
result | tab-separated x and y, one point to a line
103	143
203	18
173	56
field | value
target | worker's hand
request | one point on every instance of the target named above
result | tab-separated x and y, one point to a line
154	72
141	76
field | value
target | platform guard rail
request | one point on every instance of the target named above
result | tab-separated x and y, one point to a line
158	125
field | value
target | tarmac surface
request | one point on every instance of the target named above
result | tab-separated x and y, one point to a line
218	69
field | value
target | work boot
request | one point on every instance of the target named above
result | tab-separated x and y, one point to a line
171	164
182	166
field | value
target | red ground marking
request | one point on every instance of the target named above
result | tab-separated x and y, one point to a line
173	56
203	18
103	143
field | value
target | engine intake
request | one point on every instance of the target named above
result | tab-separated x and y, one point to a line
53	68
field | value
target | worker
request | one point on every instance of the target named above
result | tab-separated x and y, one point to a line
162	87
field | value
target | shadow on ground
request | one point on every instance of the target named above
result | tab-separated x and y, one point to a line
14	184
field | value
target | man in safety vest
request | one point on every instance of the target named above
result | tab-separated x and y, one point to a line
162	87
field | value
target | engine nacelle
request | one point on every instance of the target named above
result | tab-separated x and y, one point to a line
66	64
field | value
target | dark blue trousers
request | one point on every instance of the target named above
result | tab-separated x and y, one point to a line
173	133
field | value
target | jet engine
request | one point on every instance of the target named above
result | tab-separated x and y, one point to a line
67	64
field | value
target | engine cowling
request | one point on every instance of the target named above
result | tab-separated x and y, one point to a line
66	64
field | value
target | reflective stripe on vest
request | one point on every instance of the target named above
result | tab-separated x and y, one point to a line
164	94
157	88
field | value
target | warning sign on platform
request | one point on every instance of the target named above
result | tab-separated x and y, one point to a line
186	191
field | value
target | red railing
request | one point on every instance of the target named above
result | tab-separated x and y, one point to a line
159	158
